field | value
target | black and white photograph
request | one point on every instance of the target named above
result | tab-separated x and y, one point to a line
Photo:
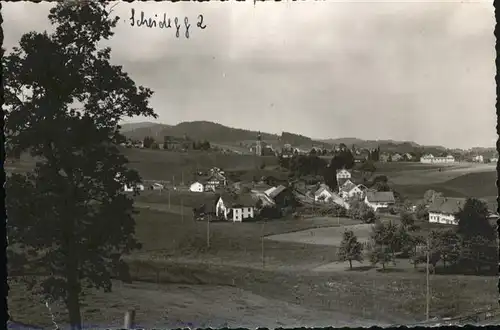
250	164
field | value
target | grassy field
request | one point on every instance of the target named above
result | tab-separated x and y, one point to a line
163	165
190	276
412	180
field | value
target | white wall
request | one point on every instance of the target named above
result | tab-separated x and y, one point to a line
376	206
448	219
196	187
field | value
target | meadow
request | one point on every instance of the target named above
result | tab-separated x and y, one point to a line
165	165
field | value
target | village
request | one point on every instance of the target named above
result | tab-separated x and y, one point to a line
230	199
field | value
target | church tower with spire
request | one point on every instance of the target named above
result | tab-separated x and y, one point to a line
258	146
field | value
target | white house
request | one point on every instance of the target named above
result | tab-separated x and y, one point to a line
350	191
494	159
478	159
323	194
443	210
235	209
326	195
343	174
215	181
379	199
430	159
139	187
157	186
196	187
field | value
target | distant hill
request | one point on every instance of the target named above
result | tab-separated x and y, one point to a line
217	133
196	130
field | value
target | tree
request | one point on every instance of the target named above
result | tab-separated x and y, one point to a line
358	210
68	216
421	212
381	254
384	239
148	142
448	246
478	238
473	220
412	249
407	220
430	195
350	249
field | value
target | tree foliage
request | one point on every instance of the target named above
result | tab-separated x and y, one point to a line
385	243
63	101
358	210
350	249
148	142
478	237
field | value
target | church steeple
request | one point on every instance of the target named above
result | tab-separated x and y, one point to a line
258	146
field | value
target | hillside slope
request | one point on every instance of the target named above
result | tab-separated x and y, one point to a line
217	133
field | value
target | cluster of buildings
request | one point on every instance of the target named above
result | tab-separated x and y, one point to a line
347	190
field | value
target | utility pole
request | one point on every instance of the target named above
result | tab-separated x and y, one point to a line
173	180
262	245
428	296
169	199
208	231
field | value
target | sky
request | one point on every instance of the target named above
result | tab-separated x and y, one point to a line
402	70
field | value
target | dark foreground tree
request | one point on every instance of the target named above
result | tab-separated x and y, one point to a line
63	100
350	249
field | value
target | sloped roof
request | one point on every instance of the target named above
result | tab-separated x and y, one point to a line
380	196
347	186
238	200
278	190
323	187
269	191
343	170
447	205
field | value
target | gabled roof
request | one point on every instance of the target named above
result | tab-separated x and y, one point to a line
380	197
447	205
323	187
278	190
347	186
342	170
238	200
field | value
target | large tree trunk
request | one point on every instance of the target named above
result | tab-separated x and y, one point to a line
73	303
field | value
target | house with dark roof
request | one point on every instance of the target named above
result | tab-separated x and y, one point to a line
281	195
443	210
236	208
379	199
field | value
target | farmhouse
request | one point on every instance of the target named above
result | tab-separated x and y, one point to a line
379	199
157	186
281	195
351	190
443	210
396	157
478	159
323	194
196	187
430	159
215	181
139	187
407	157
343	176
235	208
